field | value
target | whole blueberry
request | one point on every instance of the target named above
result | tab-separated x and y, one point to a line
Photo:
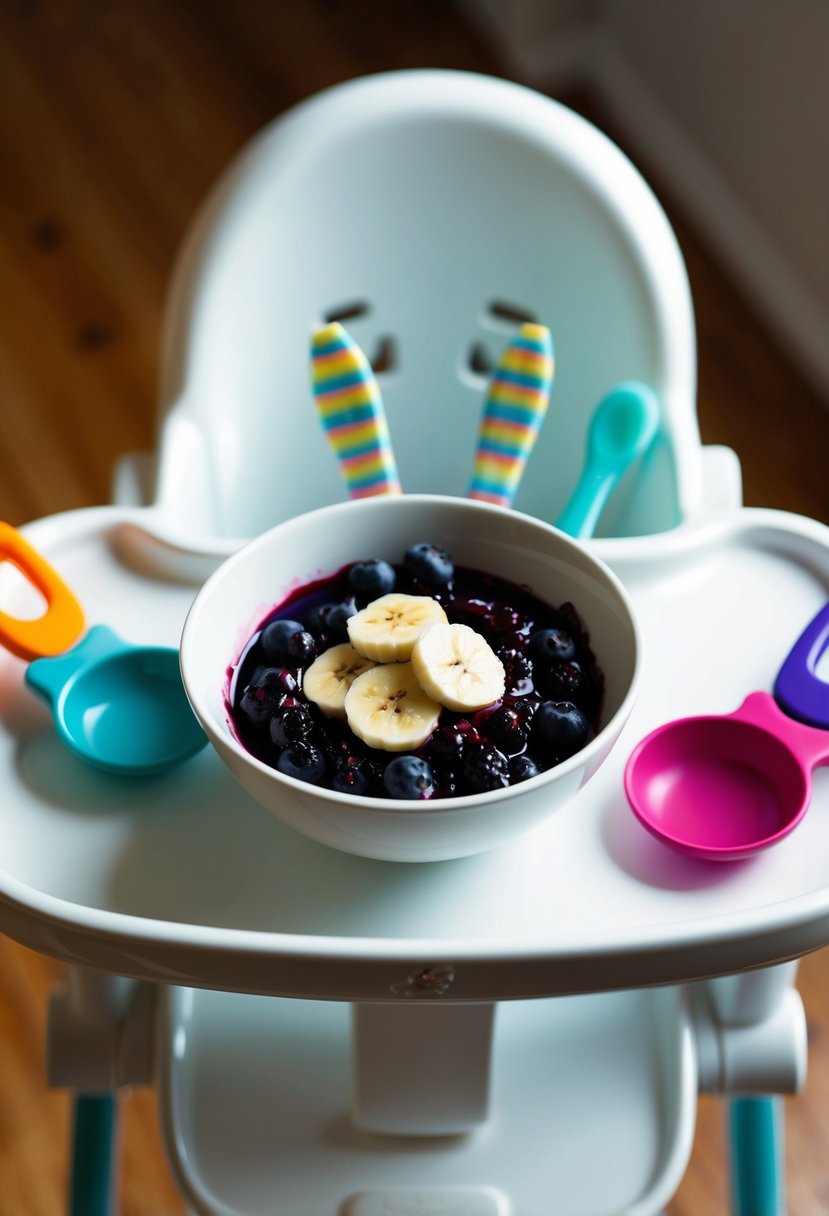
301	648
371	579
317	620
303	761
264	695
521	768
275	637
560	728
484	768
408	777
429	564
550	646
338	618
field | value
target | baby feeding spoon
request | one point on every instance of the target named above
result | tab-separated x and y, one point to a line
720	787
351	411
513	412
118	706
620	431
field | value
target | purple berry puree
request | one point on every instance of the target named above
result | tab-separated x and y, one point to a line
547	661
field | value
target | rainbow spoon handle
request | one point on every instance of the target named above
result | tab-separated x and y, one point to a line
351	412
513	412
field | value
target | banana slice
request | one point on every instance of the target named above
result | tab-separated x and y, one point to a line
458	668
331	675
387	708
388	627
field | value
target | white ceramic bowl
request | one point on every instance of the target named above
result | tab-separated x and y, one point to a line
241	593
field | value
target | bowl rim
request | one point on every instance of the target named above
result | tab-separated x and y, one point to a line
410	806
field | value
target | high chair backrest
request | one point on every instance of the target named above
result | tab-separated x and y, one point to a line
431	212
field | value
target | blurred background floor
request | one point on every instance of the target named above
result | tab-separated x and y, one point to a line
115	119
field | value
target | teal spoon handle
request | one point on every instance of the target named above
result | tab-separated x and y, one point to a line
622	427
580	516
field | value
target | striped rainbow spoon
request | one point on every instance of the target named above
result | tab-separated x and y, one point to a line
513	412
351	412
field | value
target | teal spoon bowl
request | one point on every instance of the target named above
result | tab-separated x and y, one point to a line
118	706
621	430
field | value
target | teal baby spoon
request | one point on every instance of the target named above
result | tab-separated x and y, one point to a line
621	429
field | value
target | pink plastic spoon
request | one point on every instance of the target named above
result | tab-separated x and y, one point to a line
722	787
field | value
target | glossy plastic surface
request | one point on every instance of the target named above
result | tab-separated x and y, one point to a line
498	205
545	216
199	884
351	412
514	410
256	1095
799	688
757	1157
94	1162
53	631
723	787
118	706
620	432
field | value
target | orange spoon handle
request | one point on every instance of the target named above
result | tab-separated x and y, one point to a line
60	626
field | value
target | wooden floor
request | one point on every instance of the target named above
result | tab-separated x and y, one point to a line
115	118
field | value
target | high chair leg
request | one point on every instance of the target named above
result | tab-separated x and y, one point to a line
93	1167
757	1171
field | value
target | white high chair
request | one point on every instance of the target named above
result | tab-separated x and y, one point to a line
431	211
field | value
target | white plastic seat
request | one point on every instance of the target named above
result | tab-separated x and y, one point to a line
434	209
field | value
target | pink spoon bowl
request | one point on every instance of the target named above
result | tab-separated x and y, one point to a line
722	787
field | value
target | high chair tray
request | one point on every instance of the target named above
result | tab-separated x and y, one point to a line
181	878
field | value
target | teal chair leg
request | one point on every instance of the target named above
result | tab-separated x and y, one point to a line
92	1182
757	1171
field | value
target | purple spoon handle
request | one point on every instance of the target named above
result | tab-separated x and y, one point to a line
798	690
